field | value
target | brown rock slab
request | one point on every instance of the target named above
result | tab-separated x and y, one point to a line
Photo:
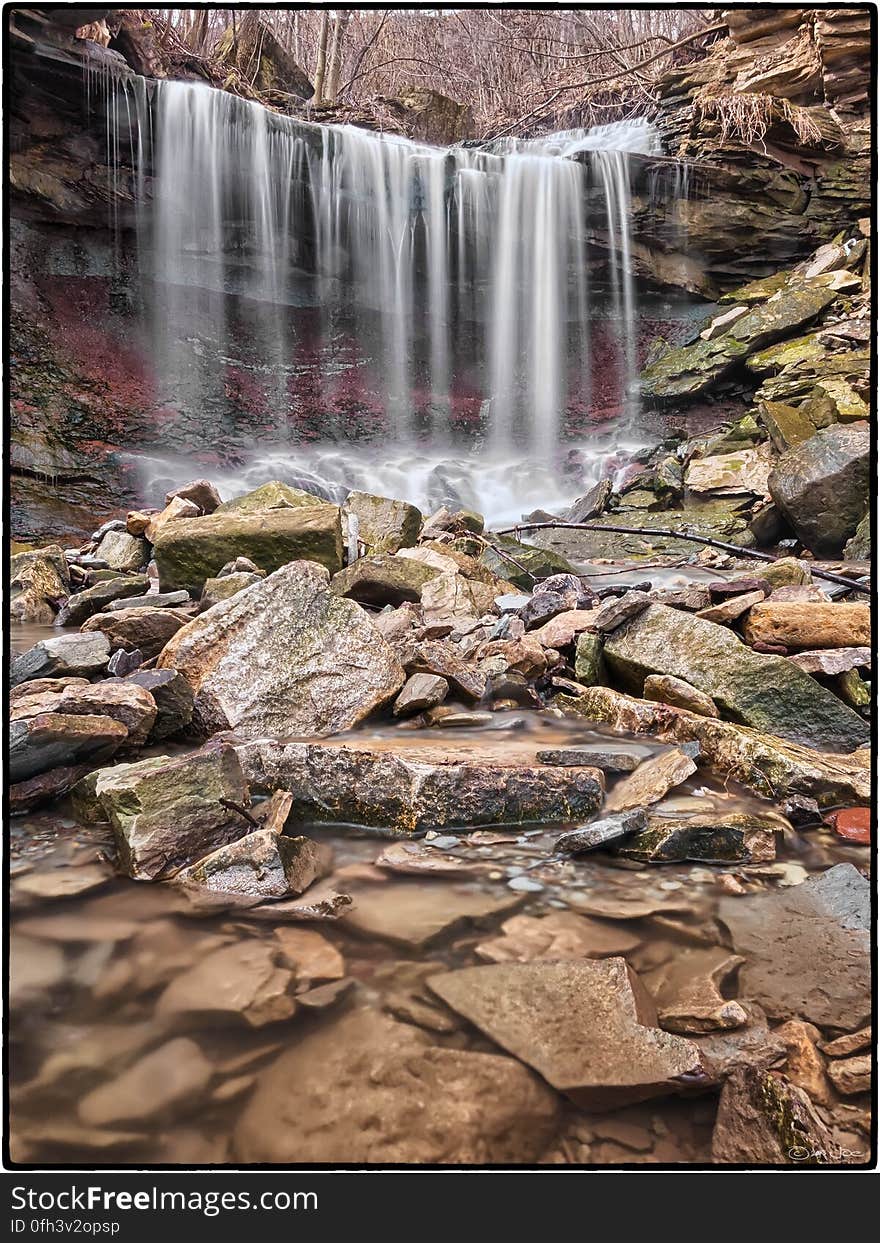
421	691
146	629
670	690
852	1075
843	1046
249	981
314	959
687	992
159	1084
131	705
322	1101
44	787
765	1120
807	948
415	914
808	626
406	791
653	779
753	1046
589	1028
443	659
557	937
52	740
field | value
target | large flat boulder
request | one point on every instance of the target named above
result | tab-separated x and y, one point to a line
766	692
133	706
410	791
810	625
821	485
191	550
83	604
271	495
285	657
589	1028
807	948
167	812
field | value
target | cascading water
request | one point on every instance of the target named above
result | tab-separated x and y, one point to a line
444	298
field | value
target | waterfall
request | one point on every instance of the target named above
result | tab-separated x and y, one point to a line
436	297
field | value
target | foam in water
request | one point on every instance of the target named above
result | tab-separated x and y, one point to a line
423	257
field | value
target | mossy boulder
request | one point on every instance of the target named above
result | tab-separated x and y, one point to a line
524	564
192	550
383	579
768	693
821	486
859	547
271	495
42	573
739	837
690	369
384	525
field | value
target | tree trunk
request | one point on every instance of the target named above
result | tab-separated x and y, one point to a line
321	65
340	25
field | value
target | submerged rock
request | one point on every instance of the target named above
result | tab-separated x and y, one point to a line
807	948
194	549
765	692
409	792
589	1028
320	1101
167	812
249	981
158	1086
687	992
415	914
68	655
821	485
557	937
285	657
607	761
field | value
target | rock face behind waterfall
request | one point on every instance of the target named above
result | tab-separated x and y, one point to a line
285	657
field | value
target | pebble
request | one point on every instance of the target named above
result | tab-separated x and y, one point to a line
522	884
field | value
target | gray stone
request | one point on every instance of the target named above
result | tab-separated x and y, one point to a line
670	690
383	579
173	697
155	600
602	832
122	551
262	864
68	655
286	657
807	948
384	525
614	611
766	692
821	485
84	603
225	586
422	691
589	667
591	757
737	837
167	812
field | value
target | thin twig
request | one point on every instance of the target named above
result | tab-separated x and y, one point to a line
242	811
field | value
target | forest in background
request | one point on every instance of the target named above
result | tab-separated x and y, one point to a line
511	67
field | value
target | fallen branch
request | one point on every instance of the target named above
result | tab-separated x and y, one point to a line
682	535
242	811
